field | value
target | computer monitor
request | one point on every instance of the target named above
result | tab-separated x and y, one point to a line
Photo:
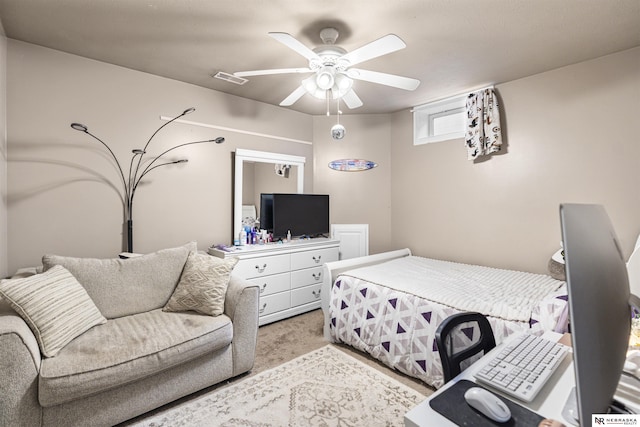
599	309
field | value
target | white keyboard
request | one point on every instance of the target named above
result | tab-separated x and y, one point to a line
523	366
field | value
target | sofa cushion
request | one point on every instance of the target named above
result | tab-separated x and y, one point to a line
54	305
127	349
120	287
203	285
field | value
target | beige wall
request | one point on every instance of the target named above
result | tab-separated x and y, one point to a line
571	137
62	186
357	197
3	155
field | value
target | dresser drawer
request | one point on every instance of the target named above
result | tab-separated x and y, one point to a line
306	277
313	258
273	284
262	266
274	303
305	295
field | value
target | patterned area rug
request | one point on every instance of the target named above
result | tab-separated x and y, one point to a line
323	388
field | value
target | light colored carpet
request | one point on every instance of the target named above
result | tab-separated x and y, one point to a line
282	341
326	387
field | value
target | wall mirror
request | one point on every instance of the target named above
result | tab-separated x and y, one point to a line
263	172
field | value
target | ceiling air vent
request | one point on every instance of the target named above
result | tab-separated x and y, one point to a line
230	78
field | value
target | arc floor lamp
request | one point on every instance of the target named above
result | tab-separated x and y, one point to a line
138	170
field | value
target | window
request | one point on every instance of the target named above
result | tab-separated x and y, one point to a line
439	121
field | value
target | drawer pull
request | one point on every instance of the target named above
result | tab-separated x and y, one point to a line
317	276
262	289
316	293
261	269
317	260
264	306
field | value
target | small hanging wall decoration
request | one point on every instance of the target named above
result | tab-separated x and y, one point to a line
337	131
352	165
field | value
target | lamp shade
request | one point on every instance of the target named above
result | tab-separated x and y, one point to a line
79	127
342	85
312	88
325	78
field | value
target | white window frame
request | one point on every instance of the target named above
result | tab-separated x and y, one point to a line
425	114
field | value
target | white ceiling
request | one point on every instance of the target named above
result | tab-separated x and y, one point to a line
452	45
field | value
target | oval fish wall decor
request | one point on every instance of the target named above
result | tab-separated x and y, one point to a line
352	165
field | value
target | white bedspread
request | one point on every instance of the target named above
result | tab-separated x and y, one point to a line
505	294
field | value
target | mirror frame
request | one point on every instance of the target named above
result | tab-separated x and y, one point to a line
242	156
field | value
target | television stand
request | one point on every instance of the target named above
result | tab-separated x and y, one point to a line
289	274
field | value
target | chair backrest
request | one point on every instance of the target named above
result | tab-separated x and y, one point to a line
459	338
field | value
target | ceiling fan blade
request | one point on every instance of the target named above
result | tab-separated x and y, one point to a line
293	97
382	46
400	82
352	100
274	71
292	43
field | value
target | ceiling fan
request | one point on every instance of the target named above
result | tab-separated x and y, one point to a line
332	67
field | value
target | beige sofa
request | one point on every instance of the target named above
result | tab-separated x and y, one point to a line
137	358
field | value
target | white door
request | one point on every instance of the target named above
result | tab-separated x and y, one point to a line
354	239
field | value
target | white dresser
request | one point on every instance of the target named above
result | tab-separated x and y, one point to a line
289	274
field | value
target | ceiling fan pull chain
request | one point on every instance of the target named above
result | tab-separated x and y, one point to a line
328	111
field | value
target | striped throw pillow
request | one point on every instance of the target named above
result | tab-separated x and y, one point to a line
55	306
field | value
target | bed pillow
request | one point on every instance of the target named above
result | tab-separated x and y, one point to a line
55	306
556	266
203	285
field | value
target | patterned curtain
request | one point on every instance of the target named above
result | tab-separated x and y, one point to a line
483	135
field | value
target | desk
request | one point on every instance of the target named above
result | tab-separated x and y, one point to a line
548	403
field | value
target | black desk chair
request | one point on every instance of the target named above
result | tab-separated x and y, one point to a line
452	357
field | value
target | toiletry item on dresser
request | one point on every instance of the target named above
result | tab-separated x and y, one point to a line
243	237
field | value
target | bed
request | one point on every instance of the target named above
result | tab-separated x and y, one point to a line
389	305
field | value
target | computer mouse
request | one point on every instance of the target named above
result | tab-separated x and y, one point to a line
487	404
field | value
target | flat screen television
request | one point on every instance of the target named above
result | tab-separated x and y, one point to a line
299	214
266	212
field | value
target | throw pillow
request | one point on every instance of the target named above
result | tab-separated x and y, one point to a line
203	285
121	287
55	306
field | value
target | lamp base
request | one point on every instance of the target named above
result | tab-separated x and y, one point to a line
129	236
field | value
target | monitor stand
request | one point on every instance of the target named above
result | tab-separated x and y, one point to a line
570	411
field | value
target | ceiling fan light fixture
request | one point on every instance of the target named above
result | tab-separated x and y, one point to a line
343	83
325	81
325	78
310	85
331	68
